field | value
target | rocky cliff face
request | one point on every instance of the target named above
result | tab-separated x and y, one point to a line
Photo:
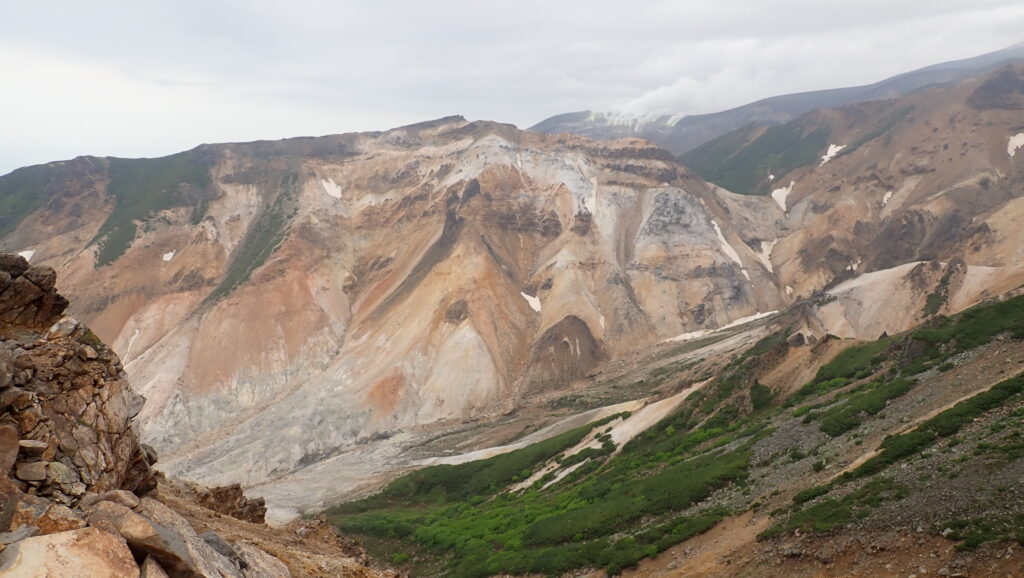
67	407
74	477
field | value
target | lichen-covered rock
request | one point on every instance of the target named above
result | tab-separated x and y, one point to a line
80	553
65	407
58	518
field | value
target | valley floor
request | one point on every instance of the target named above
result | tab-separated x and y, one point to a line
897	457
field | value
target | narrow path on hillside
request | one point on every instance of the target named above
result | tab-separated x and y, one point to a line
913	424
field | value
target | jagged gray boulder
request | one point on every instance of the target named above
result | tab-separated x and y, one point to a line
155	530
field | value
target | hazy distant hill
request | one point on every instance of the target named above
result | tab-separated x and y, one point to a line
680	134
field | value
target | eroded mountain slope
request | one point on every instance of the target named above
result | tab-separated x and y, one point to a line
280	303
302	314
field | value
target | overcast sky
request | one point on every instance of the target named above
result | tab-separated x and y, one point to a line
148	77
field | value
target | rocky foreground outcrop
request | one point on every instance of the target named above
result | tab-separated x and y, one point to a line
78	494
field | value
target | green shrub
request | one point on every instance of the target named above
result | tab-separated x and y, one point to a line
811	493
854	361
761	396
847	415
399	558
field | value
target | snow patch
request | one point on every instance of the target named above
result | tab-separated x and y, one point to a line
789	291
780	195
765	255
705	332
169	256
331	188
559	427
1016	141
831	153
726	247
27	254
771	178
131	341
886	197
745	274
533	301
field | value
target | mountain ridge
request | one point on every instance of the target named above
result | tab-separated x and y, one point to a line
681	134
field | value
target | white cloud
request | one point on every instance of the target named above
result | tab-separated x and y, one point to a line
150	78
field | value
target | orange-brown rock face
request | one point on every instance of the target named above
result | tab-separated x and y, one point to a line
912	209
305	295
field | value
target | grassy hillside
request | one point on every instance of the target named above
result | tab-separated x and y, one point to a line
143	187
21	194
741	161
732	447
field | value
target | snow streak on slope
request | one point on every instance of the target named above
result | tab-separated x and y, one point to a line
706	332
1015	143
780	195
533	301
833	150
729	250
765	254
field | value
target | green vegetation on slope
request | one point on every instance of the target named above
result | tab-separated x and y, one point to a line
836	512
853	410
22	192
143	187
833	512
945	424
857	362
264	236
464	515
742	165
670	482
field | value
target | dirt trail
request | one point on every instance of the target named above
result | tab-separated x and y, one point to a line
994	355
717	552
